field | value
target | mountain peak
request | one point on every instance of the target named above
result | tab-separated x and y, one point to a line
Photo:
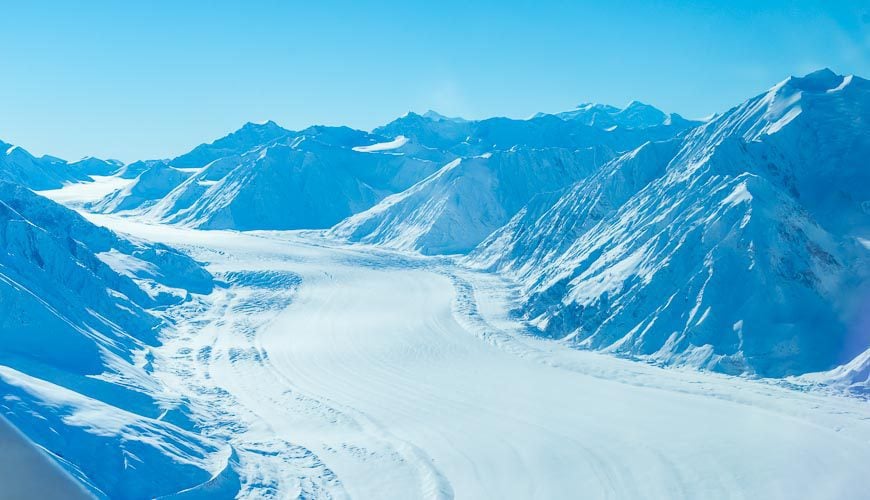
265	129
430	115
635	104
818	81
268	124
438	117
634	115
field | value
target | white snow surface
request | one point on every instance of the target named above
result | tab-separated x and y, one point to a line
383	146
341	371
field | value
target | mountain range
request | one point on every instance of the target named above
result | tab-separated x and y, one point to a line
737	244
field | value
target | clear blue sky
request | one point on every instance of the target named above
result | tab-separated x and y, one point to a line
137	79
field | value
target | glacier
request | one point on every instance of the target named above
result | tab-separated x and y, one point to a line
646	306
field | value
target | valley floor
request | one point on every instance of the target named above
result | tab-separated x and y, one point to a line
351	372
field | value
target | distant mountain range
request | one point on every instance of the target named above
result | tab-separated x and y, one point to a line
265	177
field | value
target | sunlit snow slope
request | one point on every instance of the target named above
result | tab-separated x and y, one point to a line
739	248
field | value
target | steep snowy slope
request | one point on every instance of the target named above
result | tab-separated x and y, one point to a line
736	250
457	207
301	185
152	184
77	322
852	377
543	229
132	170
266	177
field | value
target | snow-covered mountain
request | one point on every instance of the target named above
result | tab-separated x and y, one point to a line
635	115
96	166
79	313
738	245
472	138
852	377
240	141
467	199
266	177
154	180
48	172
514	160
270	178
625	226
740	248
